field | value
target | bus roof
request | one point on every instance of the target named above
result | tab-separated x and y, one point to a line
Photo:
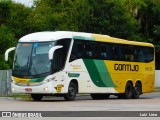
51	36
56	35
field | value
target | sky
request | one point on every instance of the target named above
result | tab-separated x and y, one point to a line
28	3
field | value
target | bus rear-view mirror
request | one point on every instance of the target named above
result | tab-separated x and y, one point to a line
52	50
7	52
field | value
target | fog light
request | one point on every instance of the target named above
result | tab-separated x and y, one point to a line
45	89
13	89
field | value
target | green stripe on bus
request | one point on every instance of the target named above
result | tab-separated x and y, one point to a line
84	38
37	79
99	73
94	73
104	73
73	74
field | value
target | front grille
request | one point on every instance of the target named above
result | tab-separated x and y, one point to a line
28	84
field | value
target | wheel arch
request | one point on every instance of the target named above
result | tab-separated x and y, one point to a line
138	81
76	83
130	81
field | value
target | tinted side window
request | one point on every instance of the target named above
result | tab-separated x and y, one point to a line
111	51
78	50
60	55
146	54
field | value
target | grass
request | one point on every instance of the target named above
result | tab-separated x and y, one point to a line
157	89
22	96
19	96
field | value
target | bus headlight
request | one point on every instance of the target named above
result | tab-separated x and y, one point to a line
13	89
13	81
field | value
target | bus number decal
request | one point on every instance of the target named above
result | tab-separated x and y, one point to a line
59	88
148	68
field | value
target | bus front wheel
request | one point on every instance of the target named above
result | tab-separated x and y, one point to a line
71	95
36	97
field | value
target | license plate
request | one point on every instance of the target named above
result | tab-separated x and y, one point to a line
28	89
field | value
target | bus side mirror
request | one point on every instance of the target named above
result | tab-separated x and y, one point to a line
7	52
52	50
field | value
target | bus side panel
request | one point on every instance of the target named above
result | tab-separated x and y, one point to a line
122	72
91	78
149	77
98	76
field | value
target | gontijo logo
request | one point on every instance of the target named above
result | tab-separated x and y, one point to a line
126	67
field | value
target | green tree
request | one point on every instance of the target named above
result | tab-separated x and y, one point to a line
137	20
7	40
4	11
17	20
110	17
149	17
13	25
70	15
96	16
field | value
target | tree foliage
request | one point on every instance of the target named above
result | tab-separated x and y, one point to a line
137	20
13	25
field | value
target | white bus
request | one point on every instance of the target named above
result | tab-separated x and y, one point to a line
64	63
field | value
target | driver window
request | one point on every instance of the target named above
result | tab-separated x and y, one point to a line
60	55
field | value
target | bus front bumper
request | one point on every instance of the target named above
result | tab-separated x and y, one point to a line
47	88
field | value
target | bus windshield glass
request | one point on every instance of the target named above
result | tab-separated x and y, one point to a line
31	59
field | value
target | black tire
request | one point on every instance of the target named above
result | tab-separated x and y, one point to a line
137	91
72	90
120	96
100	96
36	97
128	91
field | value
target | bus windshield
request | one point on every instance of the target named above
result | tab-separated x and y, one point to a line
31	59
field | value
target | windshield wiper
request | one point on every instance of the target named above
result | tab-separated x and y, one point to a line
28	65
41	74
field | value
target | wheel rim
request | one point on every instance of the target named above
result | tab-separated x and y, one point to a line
71	91
129	90
137	90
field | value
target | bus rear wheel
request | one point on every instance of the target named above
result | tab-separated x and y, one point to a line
137	91
71	95
128	92
99	96
36	97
